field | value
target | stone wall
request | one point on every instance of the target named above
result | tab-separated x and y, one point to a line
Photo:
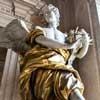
86	17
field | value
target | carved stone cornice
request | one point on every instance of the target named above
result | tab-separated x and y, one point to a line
23	10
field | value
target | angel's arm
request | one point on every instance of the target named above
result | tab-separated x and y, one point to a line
53	43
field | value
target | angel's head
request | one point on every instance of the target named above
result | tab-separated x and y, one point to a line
48	15
51	15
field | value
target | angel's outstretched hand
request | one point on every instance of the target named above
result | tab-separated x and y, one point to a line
86	37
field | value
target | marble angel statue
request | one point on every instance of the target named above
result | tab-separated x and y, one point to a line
46	57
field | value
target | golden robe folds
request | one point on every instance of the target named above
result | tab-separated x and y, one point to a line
42	79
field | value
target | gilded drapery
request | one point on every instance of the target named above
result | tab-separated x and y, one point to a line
42	79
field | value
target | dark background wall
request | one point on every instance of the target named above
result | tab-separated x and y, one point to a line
86	17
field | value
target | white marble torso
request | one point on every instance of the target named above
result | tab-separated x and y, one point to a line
54	34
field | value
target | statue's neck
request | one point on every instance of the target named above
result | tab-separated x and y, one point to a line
52	25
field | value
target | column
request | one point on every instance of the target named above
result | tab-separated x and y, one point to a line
5	74
9	76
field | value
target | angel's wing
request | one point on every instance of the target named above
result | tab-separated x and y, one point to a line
13	35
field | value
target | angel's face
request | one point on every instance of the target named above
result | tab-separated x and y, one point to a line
50	17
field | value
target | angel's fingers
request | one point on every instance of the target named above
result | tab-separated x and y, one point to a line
91	40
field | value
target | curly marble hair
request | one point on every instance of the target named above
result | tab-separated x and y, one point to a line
55	10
